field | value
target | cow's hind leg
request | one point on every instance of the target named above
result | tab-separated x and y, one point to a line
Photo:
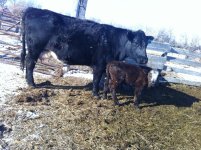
30	65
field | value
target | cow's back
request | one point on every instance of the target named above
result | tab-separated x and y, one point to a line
40	25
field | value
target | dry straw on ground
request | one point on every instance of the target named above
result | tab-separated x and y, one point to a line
64	115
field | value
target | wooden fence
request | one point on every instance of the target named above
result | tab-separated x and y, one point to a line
9	34
9	24
176	65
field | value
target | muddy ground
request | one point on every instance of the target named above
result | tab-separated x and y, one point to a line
62	114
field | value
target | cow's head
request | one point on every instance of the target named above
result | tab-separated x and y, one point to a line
136	46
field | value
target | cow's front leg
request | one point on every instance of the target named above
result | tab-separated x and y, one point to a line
30	64
97	74
106	88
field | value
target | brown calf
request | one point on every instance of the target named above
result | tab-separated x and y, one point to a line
118	72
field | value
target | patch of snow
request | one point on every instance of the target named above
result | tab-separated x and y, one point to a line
26	115
31	137
80	74
11	79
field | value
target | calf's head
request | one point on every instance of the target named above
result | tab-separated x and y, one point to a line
152	77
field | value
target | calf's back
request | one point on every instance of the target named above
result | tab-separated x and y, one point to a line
122	72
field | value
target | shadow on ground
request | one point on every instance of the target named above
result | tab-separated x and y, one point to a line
160	95
49	85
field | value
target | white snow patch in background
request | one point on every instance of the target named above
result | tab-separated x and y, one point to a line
79	74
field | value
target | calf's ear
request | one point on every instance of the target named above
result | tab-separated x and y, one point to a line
150	38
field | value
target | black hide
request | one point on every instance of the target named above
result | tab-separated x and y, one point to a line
78	42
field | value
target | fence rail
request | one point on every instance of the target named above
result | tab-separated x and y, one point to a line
177	66
9	22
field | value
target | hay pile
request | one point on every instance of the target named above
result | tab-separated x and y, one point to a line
64	115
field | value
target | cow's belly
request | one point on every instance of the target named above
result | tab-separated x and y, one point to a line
79	56
73	53
72	56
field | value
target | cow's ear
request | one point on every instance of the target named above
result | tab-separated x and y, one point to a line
150	38
130	35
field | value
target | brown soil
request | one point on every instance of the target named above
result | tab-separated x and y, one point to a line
62	114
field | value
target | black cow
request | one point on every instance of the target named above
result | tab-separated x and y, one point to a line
78	42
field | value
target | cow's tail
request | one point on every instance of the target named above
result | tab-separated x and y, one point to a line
23	52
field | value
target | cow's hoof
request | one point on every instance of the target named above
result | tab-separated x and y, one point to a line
104	97
32	86
117	104
136	105
97	97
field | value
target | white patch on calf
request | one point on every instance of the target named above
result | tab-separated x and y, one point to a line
152	77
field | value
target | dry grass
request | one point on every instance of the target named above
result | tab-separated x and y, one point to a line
64	115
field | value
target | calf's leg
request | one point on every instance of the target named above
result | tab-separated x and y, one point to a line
112	86
137	93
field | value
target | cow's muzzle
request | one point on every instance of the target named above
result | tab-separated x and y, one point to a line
142	60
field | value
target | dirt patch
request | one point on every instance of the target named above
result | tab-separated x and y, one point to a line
62	114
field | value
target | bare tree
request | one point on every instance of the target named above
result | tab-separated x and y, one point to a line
2	3
18	6
184	41
195	43
81	9
165	36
